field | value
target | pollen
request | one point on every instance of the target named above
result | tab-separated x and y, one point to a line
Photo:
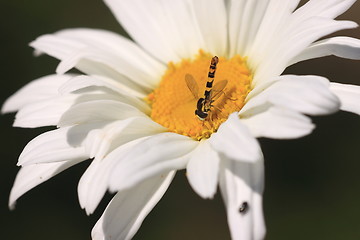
174	102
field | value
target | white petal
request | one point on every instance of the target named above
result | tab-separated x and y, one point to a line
202	170
155	155
54	146
83	83
261	87
35	91
93	61
242	183
279	123
345	47
49	112
94	182
98	111
325	8
305	94
127	210
103	53
167	29
234	140
86	83
244	19
30	176
249	20
119	132
122	47
44	113
295	36
213	32
349	96
273	17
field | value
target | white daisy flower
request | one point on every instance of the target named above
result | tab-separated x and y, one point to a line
132	110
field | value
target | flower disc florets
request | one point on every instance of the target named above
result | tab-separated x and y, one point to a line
174	104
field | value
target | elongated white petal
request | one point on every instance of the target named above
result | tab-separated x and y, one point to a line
344	47
99	69
99	46
234	140
274	18
349	96
171	30
97	66
279	123
84	83
244	19
30	176
324	8
94	182
156	155
214	33
122	47
105	60
260	87
202	170
310	31
119	132
260	19
54	146
49	112
98	111
35	91
305	94
241	185
293	32
127	210
125	133
44	113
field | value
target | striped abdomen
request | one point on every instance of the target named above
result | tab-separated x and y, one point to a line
209	84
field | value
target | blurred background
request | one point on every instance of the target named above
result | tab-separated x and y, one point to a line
312	183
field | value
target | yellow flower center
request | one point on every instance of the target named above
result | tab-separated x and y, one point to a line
174	102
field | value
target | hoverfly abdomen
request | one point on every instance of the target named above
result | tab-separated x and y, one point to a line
211	92
209	84
207	94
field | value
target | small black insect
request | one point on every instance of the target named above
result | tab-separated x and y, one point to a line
244	207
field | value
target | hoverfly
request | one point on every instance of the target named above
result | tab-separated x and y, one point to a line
204	104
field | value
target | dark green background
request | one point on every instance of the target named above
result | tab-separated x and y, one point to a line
312	184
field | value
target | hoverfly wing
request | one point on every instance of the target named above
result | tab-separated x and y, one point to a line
217	89
192	85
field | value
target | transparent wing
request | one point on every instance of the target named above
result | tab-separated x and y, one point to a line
217	89
192	85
